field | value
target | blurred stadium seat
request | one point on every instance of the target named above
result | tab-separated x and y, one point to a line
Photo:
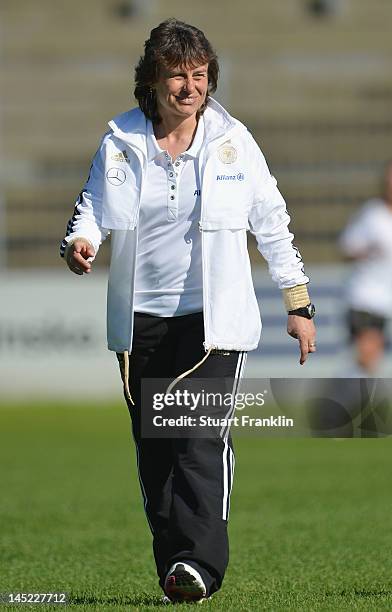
315	93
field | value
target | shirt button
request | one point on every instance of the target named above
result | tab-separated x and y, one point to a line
177	164
173	187
171	173
172	197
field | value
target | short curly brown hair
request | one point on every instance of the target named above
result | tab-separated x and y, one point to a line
172	43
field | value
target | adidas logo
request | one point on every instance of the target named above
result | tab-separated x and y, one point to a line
121	157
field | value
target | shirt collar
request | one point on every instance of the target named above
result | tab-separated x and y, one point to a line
153	148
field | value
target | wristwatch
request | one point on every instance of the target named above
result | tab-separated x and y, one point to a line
306	311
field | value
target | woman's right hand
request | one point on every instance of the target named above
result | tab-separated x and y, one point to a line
77	255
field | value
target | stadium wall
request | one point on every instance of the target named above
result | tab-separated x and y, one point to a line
53	344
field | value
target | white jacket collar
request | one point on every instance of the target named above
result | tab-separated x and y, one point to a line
217	121
131	126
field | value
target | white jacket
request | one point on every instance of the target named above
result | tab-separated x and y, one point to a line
237	193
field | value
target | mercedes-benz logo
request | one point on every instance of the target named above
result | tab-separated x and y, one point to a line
116	176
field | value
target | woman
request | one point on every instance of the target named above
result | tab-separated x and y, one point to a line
367	243
177	182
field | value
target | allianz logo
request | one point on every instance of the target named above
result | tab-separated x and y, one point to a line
231	177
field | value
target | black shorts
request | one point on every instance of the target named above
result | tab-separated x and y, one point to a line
359	320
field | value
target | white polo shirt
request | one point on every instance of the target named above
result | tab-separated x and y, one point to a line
168	263
370	285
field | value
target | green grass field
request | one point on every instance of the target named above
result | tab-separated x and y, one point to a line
310	519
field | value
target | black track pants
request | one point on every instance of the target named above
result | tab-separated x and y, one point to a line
186	483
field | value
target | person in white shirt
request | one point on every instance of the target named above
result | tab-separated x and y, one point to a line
177	182
367	242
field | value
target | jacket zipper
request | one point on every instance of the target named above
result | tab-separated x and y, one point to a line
136	230
203	253
136	215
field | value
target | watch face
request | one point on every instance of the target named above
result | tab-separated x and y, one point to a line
311	310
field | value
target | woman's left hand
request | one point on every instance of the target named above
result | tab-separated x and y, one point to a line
305	332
